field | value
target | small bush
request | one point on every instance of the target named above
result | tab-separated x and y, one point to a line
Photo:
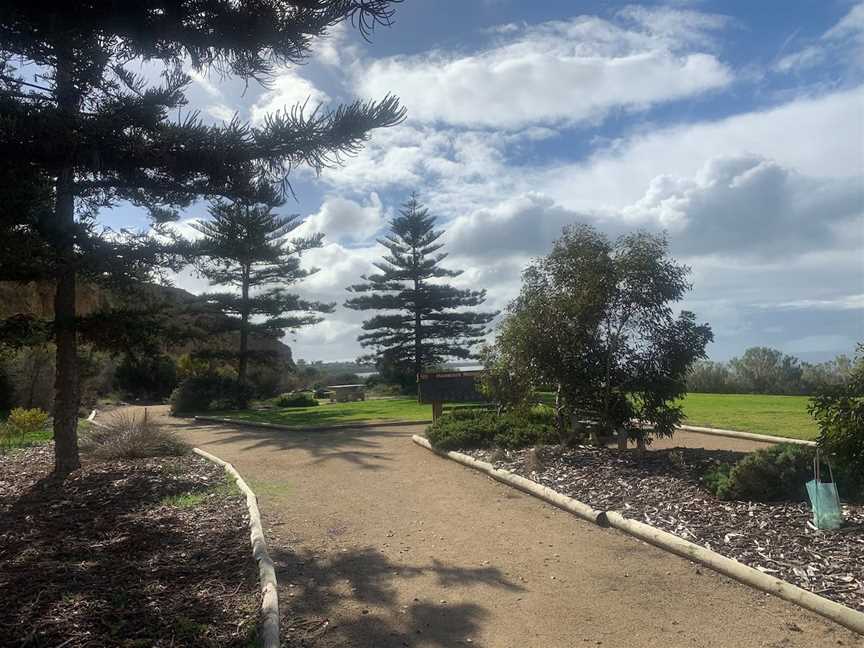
474	428
768	475
296	399
27	421
203	393
125	436
839	413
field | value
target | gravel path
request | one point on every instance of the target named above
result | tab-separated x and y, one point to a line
379	543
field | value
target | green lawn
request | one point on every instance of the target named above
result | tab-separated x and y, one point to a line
775	415
778	415
400	409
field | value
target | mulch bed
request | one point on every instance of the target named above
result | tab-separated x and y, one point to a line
101	559
662	488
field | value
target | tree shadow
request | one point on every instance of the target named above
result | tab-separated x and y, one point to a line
353	599
357	446
95	559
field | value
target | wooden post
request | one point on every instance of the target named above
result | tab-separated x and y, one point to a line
437	409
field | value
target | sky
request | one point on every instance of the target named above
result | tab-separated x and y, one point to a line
736	127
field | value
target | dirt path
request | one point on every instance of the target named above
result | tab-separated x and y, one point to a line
381	544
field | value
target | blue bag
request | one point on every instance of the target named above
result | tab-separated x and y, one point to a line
824	499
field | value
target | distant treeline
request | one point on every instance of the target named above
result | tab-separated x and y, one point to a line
328	368
762	370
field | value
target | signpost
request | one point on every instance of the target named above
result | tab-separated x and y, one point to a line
449	386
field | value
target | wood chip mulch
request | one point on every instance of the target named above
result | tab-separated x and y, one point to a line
662	488
102	559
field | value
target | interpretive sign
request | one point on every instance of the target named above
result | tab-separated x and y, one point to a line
437	388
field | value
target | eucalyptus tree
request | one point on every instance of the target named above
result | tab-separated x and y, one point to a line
424	320
247	247
82	128
595	319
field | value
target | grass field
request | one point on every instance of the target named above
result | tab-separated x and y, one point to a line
777	415
399	409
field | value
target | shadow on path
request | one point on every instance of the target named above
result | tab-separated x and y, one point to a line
362	587
355	446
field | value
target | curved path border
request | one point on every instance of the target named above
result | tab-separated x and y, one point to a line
750	436
838	613
266	569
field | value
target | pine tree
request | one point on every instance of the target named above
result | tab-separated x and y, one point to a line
423	326
86	127
247	248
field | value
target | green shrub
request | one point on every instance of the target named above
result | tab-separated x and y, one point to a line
476	428
839	413
203	393
296	399
27	421
768	475
125	436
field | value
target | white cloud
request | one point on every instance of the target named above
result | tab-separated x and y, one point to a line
338	267
844	41
737	207
847	302
807	57
557	72
221	112
677	27
459	170
335	48
820	137
523	225
750	206
285	91
203	82
341	219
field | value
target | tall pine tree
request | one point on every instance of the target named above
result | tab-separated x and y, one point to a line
423	325
247	248
94	132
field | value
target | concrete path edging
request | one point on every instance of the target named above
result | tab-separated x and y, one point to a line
301	428
750	436
266	569
577	508
845	616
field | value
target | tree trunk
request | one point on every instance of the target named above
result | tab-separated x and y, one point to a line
243	360
622	439
418	332
67	392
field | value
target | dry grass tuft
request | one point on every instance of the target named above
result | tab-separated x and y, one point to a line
125	436
533	462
